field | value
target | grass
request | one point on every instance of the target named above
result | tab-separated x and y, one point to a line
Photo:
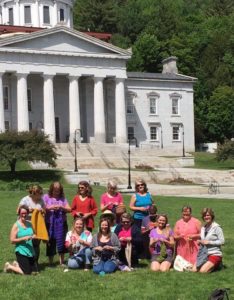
53	283
205	160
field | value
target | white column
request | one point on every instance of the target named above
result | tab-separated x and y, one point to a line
22	102
55	14
17	14
99	114
120	112
49	115
2	119
74	105
36	14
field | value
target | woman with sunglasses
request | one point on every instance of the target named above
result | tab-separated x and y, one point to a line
140	202
57	208
129	235
22	235
162	242
212	239
34	201
84	205
78	242
105	247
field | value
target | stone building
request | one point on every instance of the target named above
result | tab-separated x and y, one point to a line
65	82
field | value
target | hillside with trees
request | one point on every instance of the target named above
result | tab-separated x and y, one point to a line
199	32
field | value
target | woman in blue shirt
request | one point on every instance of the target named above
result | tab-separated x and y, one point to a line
140	202
22	235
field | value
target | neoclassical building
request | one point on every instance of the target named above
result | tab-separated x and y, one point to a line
62	81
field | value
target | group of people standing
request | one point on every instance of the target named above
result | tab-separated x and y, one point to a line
121	238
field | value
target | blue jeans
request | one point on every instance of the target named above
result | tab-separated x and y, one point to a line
76	262
105	266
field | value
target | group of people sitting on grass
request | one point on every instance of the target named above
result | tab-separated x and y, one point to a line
121	239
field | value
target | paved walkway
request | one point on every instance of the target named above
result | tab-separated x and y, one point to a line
226	180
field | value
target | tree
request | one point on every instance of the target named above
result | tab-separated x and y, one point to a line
29	146
220	121
225	151
146	54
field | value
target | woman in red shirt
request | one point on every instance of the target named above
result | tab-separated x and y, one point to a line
84	205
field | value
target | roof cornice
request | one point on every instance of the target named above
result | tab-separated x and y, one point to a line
75	33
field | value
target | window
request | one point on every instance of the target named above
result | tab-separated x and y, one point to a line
130	106
30	126
7	125
29	95
176	133
27	14
175	106
6	97
46	15
131	133
10	16
61	15
153	106
153	133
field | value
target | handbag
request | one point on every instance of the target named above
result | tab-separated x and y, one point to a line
181	264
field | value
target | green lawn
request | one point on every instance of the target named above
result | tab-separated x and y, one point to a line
205	160
53	283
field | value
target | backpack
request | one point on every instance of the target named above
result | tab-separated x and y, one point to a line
219	294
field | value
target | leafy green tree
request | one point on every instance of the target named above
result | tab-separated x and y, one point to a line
29	146
220	120
96	15
146	54
225	151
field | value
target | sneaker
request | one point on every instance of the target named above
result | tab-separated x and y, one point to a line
63	266
6	267
126	269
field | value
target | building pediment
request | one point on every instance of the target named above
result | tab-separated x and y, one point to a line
64	40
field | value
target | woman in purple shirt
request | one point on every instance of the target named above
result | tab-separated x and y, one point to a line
162	241
56	221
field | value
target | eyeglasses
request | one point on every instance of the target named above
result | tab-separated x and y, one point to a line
125	222
23	214
138	185
81	187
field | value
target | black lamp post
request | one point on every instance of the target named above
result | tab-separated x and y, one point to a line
75	142
161	138
129	161
183	150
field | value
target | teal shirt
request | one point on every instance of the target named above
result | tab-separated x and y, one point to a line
24	247
142	201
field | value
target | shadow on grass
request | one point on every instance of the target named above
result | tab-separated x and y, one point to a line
42	176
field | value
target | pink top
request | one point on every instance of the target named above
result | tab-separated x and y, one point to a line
188	249
115	200
125	234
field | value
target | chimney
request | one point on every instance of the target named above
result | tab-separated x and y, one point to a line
169	65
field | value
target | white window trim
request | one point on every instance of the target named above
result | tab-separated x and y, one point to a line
179	125
6	121
156	96
130	96
157	126
175	96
